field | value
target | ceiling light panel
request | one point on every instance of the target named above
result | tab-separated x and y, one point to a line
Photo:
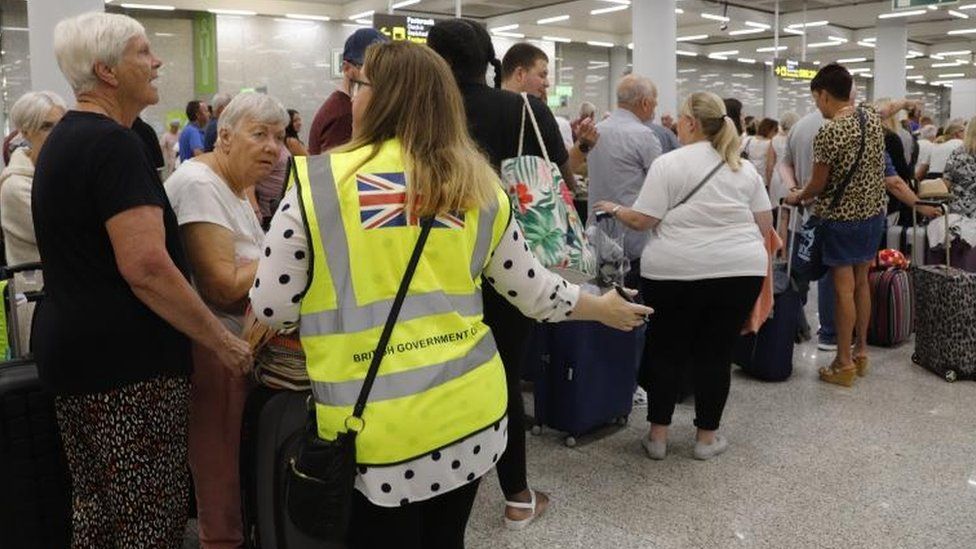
909	13
611	9
714	17
555	19
692	37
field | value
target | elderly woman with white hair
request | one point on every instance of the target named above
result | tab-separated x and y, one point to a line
33	115
112	336
223	238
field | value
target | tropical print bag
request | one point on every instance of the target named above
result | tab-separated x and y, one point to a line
544	209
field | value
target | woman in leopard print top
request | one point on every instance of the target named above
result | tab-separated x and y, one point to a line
851	226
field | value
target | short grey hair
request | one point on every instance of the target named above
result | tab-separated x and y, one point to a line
928	132
787	121
220	100
259	107
29	112
89	38
587	110
633	88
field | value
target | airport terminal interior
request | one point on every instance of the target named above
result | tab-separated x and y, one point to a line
887	463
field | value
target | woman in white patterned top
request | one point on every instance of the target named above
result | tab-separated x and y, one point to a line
408	107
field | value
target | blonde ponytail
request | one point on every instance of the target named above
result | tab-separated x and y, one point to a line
709	110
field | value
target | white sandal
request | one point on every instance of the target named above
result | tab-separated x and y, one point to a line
520	524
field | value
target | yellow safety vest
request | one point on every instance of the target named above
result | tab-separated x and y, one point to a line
441	378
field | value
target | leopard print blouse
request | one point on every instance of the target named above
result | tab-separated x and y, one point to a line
836	145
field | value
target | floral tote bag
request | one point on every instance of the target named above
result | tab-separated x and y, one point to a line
544	209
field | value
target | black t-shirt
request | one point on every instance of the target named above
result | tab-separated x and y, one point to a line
91	333
495	120
151	141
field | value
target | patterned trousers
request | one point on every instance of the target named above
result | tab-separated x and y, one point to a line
126	449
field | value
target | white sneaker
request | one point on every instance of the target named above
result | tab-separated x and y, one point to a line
708	451
826	346
640	397
655	450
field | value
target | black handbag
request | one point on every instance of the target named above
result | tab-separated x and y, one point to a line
320	474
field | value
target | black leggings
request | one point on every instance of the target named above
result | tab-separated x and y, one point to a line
695	325
511	330
439	522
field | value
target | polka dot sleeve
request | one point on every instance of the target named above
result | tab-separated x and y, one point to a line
519	276
283	271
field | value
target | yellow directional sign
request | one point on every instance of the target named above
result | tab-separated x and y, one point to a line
794	70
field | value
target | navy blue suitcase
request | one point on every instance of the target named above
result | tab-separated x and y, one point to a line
768	354
587	376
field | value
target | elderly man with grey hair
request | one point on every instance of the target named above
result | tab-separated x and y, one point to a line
112	335
218	104
619	162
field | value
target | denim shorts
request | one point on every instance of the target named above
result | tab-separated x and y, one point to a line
851	242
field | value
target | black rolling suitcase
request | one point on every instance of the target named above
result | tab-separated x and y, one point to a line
35	487
272	418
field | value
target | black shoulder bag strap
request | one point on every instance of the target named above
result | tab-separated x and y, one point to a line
401	294
700	184
839	194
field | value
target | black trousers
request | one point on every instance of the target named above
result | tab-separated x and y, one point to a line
511	330
694	326
439	522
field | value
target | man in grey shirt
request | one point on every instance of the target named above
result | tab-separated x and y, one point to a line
619	162
796	169
669	141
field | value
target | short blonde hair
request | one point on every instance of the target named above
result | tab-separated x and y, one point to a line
787	121
89	38
28	113
260	107
969	141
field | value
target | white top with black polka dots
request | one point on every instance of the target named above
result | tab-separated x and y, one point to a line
512	270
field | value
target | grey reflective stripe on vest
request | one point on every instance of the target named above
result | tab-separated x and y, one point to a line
349	318
410	382
486	223
373	315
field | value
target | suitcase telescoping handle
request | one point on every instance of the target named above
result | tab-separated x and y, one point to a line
790	233
945	216
14	298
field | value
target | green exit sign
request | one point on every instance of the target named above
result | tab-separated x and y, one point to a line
908	4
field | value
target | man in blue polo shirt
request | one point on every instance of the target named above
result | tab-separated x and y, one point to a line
191	138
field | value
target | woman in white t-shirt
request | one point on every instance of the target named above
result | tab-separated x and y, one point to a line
933	164
223	240
702	268
758	148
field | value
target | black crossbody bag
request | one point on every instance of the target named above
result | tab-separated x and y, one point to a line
320	474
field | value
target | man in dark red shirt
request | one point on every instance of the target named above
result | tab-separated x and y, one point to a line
332	125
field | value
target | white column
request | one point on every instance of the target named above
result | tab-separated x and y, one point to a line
889	59
654	34
618	67
770	91
42	16
962	99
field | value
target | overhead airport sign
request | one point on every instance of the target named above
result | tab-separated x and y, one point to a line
403	27
790	69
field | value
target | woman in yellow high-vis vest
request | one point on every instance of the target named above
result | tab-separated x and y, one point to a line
334	257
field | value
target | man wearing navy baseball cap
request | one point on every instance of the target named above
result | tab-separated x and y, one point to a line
332	125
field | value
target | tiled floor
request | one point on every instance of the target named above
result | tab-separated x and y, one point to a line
890	463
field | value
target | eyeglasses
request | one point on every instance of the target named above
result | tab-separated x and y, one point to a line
358	85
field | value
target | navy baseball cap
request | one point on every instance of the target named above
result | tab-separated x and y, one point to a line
355	48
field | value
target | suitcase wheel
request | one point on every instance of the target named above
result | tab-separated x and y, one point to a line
915	359
570	441
951	376
622	420
536	430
